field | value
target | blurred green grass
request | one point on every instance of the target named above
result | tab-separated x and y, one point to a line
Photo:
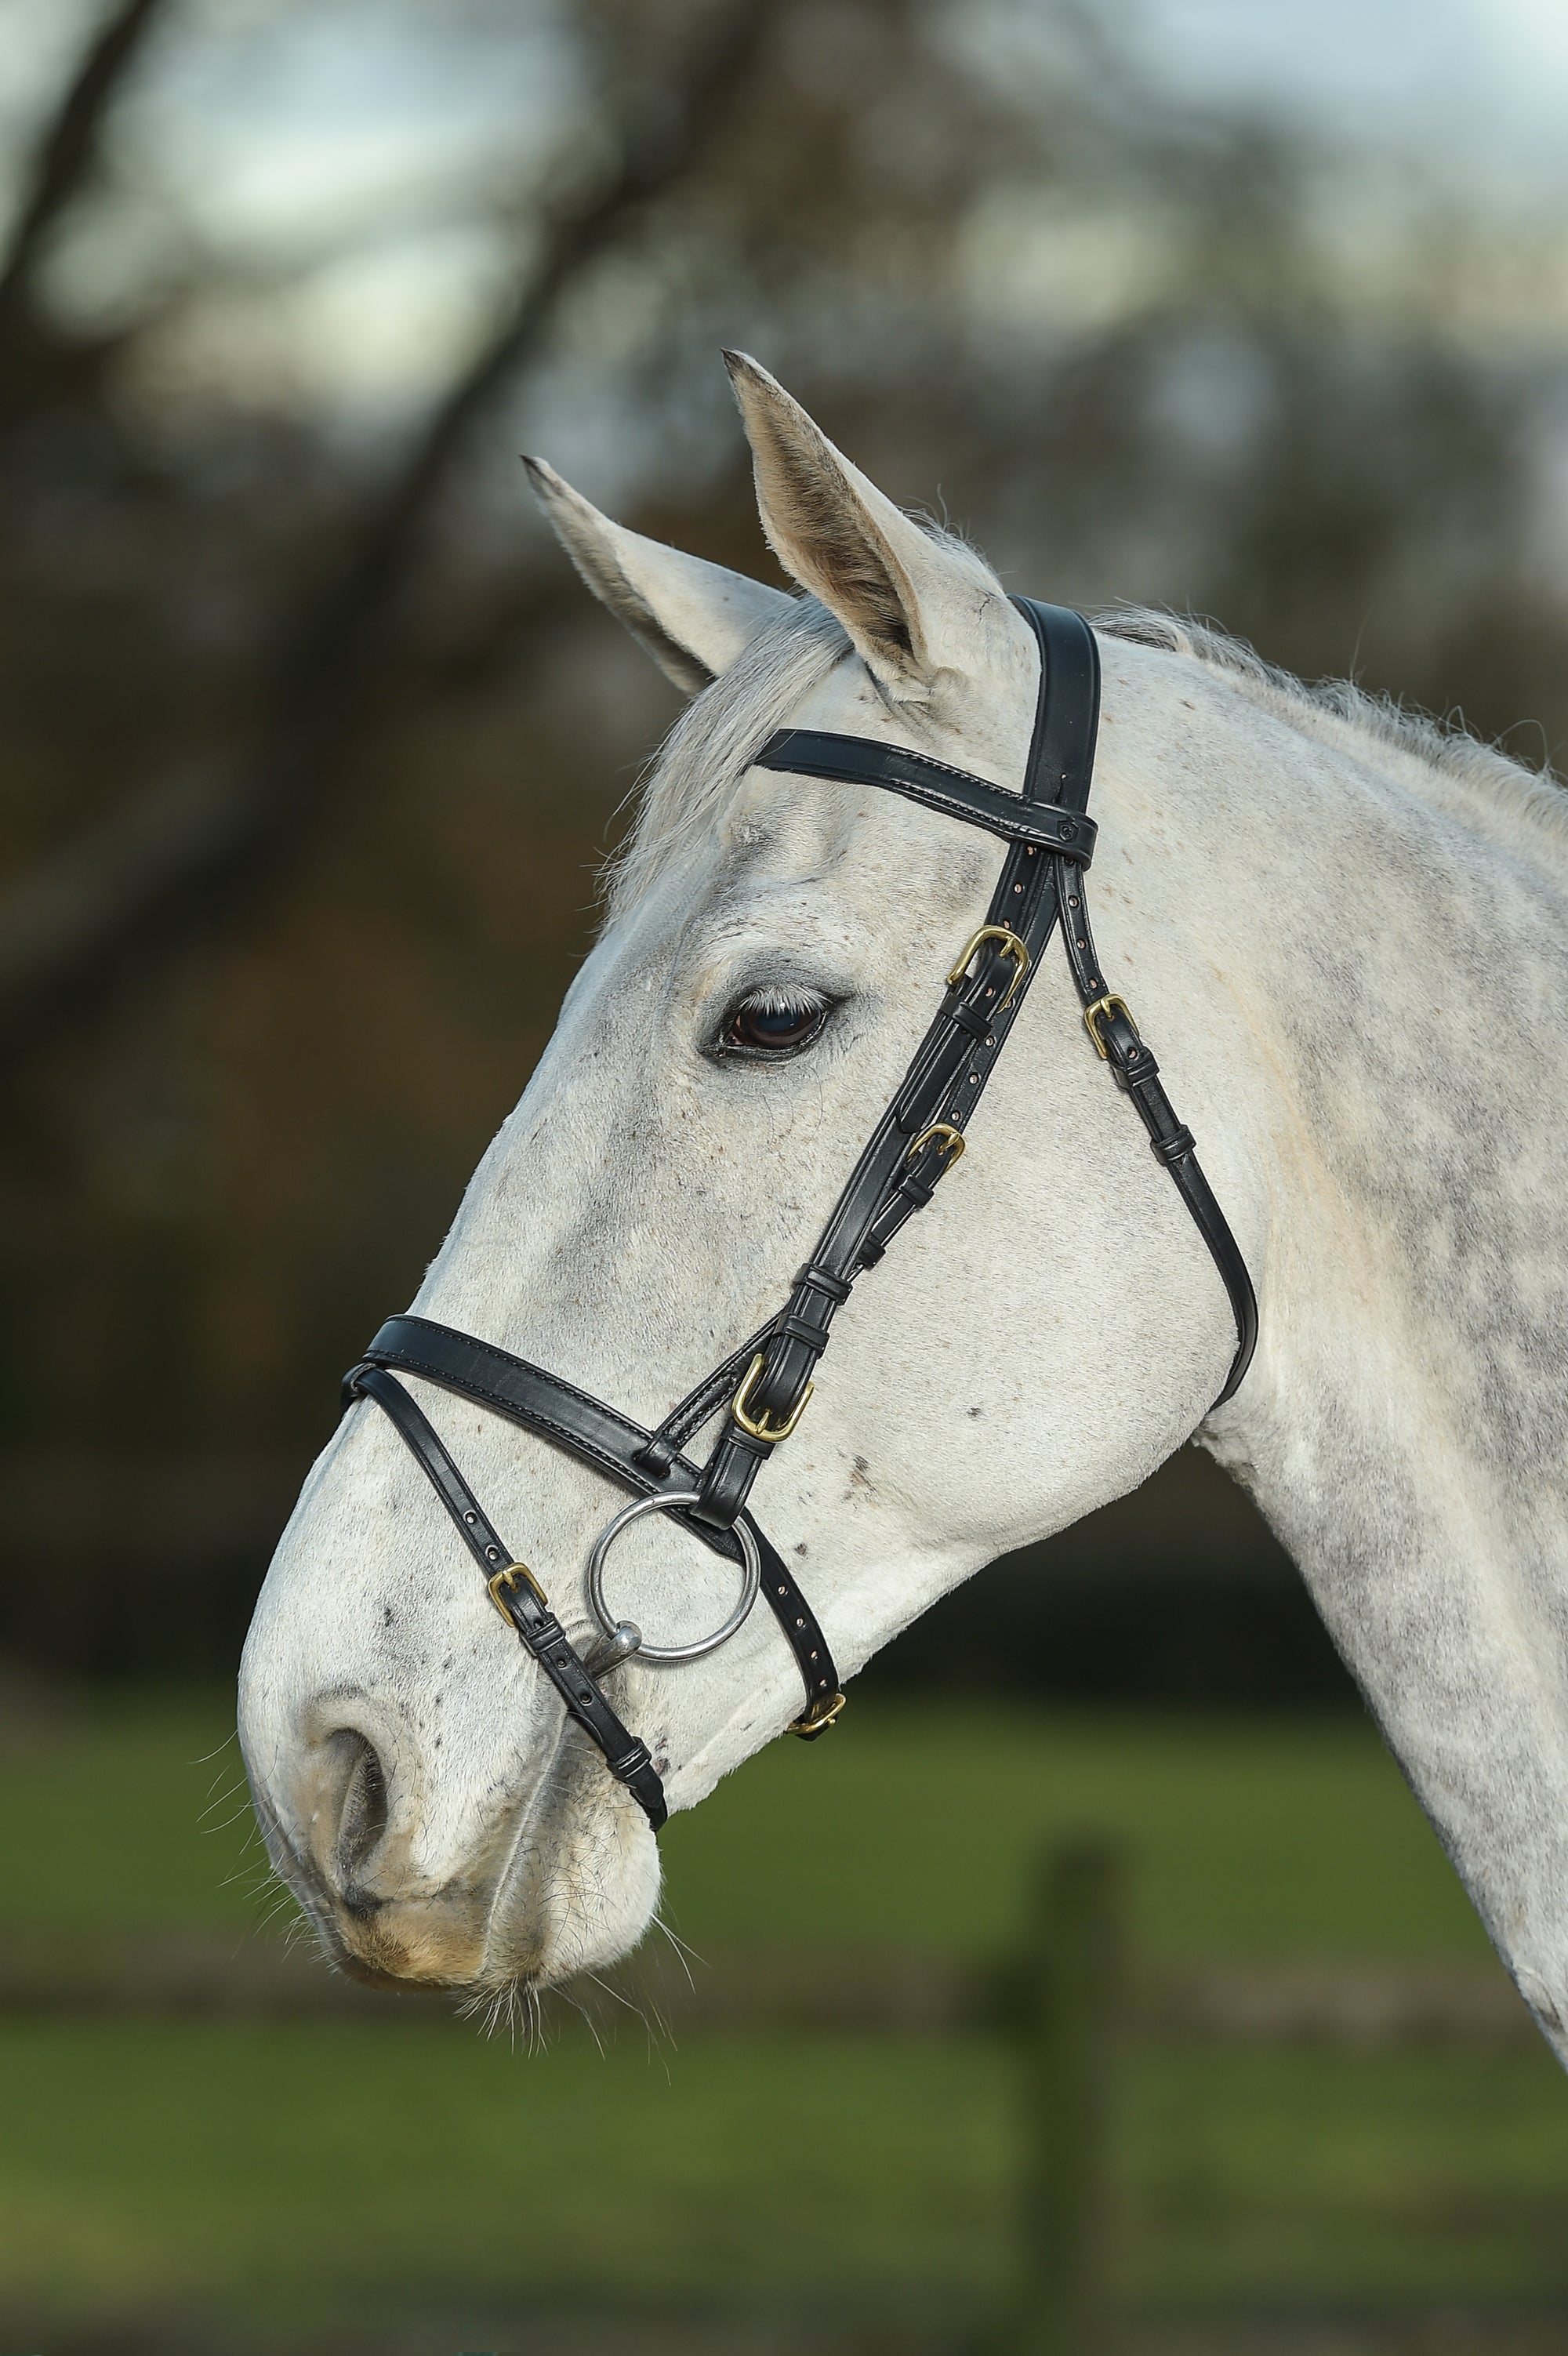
291	2169
915	1821
276	2167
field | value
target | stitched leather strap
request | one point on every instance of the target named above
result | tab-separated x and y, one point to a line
1068	719
616	1446
1133	1065
859	761
519	1600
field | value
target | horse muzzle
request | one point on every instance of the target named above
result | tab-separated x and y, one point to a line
414	1876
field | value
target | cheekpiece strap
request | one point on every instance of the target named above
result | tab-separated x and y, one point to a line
920	1137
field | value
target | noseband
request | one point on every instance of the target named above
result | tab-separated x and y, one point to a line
765	1384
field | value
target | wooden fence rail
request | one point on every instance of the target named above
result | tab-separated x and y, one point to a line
860	1991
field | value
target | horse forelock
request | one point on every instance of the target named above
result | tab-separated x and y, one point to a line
692	784
696	774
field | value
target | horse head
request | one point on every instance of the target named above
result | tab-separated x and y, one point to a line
1043	1334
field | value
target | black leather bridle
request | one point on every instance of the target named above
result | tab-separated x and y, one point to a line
768	1381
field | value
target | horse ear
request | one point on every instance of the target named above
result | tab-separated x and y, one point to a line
909	602
693	617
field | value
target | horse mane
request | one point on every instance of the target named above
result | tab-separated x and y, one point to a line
696	772
1335	709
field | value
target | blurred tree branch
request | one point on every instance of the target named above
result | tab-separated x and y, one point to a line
66	163
139	883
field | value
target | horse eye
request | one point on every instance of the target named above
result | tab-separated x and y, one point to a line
773	1022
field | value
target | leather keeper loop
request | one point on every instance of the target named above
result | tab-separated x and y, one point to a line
543	1634
727	1483
802	1329
822	1280
1172	1149
907	1197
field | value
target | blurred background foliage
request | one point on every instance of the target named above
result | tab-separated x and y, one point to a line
312	742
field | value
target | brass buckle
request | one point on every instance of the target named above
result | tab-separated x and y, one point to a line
1101	1008
1013	947
758	1427
809	1726
951	1151
509	1579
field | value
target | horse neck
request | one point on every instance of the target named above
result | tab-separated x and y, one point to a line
1396	966
1412	984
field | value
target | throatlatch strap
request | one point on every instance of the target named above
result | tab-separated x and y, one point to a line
1120	1044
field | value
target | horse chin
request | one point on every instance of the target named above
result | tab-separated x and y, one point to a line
578	1899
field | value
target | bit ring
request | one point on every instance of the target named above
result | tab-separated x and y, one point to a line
661	1503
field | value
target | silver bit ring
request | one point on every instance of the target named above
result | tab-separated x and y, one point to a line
663	1503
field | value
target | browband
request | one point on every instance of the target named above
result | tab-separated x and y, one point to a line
859	761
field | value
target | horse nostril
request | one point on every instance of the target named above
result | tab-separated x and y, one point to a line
362	1812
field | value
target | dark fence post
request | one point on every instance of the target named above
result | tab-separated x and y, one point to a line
1072	1991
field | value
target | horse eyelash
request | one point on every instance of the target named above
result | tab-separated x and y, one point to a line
777	998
